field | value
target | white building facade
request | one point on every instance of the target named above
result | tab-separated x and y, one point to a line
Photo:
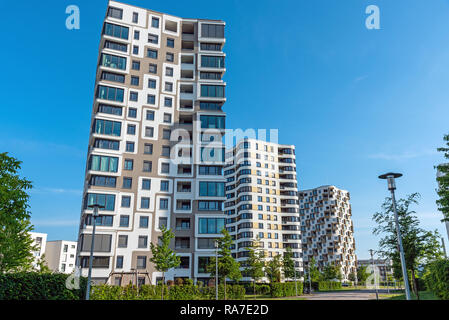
60	256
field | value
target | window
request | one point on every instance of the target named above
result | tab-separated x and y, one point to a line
214	122
165	151
169	72
106	200
114	77
151	83
101	220
141	262
209	205
152	53
165	168
182	243
134	81
102	242
149	131
136	35
103	163
131	129
162	222
116	46
163	204
148	148
110	93
210	170
152	38
143	222
127	183
119	265
103	181
170	42
150	115
212	30
210	105
116	111
212	61
132	112
155	22
164	185
168	102
153	68
124	221
106	127
122	241
135	17
136	50
212	91
143	241
111	61
135	65
145	203
146	184
203	262
206	243
167	117
116	31
210	75
129	164
115	13
97	262
129	146
211	225
169	86
151	99
166	134
147	166
170	57
210	46
126	201
211	189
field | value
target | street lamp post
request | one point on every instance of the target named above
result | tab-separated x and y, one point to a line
392	186
94	220
216	270
371	251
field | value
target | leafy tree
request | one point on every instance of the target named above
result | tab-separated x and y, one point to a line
16	244
420	246
228	267
352	277
315	274
443	182
255	263
288	264
362	274
163	257
42	265
331	271
273	269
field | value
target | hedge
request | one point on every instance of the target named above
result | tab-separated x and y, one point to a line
39	286
329	285
285	289
437	280
174	292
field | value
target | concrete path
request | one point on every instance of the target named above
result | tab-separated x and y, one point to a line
344	295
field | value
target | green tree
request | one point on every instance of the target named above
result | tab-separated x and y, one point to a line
288	264
352	277
362	274
255	263
273	269
228	267
42	265
443	182
163	257
420	246
315	274
331	272
16	244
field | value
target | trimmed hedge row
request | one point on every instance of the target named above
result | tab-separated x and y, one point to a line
39	286
437	280
175	292
329	285
285	289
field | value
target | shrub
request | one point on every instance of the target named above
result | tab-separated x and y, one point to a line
39	286
329	285
437	278
286	289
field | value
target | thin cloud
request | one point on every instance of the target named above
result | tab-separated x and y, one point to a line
56	191
401	156
55	223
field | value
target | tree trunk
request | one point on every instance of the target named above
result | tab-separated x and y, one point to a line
415	285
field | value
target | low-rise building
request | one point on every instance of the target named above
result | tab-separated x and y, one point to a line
39	241
60	255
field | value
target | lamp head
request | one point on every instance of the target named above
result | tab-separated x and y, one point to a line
390	179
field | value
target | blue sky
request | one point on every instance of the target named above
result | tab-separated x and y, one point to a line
355	102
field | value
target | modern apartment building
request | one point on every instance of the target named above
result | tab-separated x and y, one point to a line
384	267
155	155
327	229
40	241
262	200
60	256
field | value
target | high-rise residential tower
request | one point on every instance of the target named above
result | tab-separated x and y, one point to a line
262	199
155	156
327	229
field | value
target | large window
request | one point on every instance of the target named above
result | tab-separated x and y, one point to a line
214	122
107	144
116	46
211	189
210	205
211	225
103	108
212	30
111	61
97	262
211	105
115	30
115	13
111	128
103	181
212	91
101	220
110	93
106	200
114	77
103	163
212	61
210	46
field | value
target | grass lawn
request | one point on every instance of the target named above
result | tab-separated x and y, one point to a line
268	297
423	295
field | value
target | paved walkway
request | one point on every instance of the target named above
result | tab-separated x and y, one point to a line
344	295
